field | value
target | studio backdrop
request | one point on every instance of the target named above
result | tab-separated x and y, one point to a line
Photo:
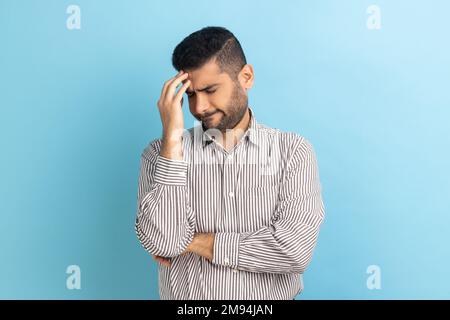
366	82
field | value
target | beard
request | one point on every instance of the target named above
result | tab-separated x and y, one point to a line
235	108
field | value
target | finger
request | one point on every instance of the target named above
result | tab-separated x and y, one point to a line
182	90
168	82
163	261
157	258
171	89
166	263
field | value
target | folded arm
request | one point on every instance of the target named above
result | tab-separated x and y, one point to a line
287	243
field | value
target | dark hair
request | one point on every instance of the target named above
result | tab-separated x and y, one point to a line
210	42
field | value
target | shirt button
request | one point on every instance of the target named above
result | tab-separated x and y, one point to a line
226	260
231	194
235	270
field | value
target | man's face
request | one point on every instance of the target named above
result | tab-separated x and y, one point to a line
215	99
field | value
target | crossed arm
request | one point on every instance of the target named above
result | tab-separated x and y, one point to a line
165	222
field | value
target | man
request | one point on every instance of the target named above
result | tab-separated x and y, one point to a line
230	209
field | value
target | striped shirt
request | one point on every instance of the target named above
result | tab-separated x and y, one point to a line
261	199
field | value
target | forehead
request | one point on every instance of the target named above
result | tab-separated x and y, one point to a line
207	74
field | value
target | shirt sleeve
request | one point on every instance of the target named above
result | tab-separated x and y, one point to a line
165	221
286	245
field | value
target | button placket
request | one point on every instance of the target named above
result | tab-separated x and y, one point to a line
226	195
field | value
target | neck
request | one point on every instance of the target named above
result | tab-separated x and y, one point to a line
232	137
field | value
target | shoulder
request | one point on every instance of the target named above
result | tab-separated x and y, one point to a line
291	143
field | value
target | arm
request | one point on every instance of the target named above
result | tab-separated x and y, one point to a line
286	245
165	222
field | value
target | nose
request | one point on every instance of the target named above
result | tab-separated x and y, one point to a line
201	105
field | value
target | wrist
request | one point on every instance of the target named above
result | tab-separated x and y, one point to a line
203	245
171	150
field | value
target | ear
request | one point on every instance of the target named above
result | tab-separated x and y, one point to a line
246	77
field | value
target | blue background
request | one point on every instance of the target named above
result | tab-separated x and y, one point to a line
78	106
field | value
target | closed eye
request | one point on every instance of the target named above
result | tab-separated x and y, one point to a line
190	94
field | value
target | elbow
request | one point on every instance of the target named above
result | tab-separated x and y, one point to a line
302	258
157	243
302	254
300	264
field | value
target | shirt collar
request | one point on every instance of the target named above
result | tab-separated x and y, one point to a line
250	135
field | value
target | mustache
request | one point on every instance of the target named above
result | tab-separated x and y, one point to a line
208	114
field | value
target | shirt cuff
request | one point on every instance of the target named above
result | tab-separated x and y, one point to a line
226	249
170	171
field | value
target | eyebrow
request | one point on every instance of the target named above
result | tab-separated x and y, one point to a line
205	88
